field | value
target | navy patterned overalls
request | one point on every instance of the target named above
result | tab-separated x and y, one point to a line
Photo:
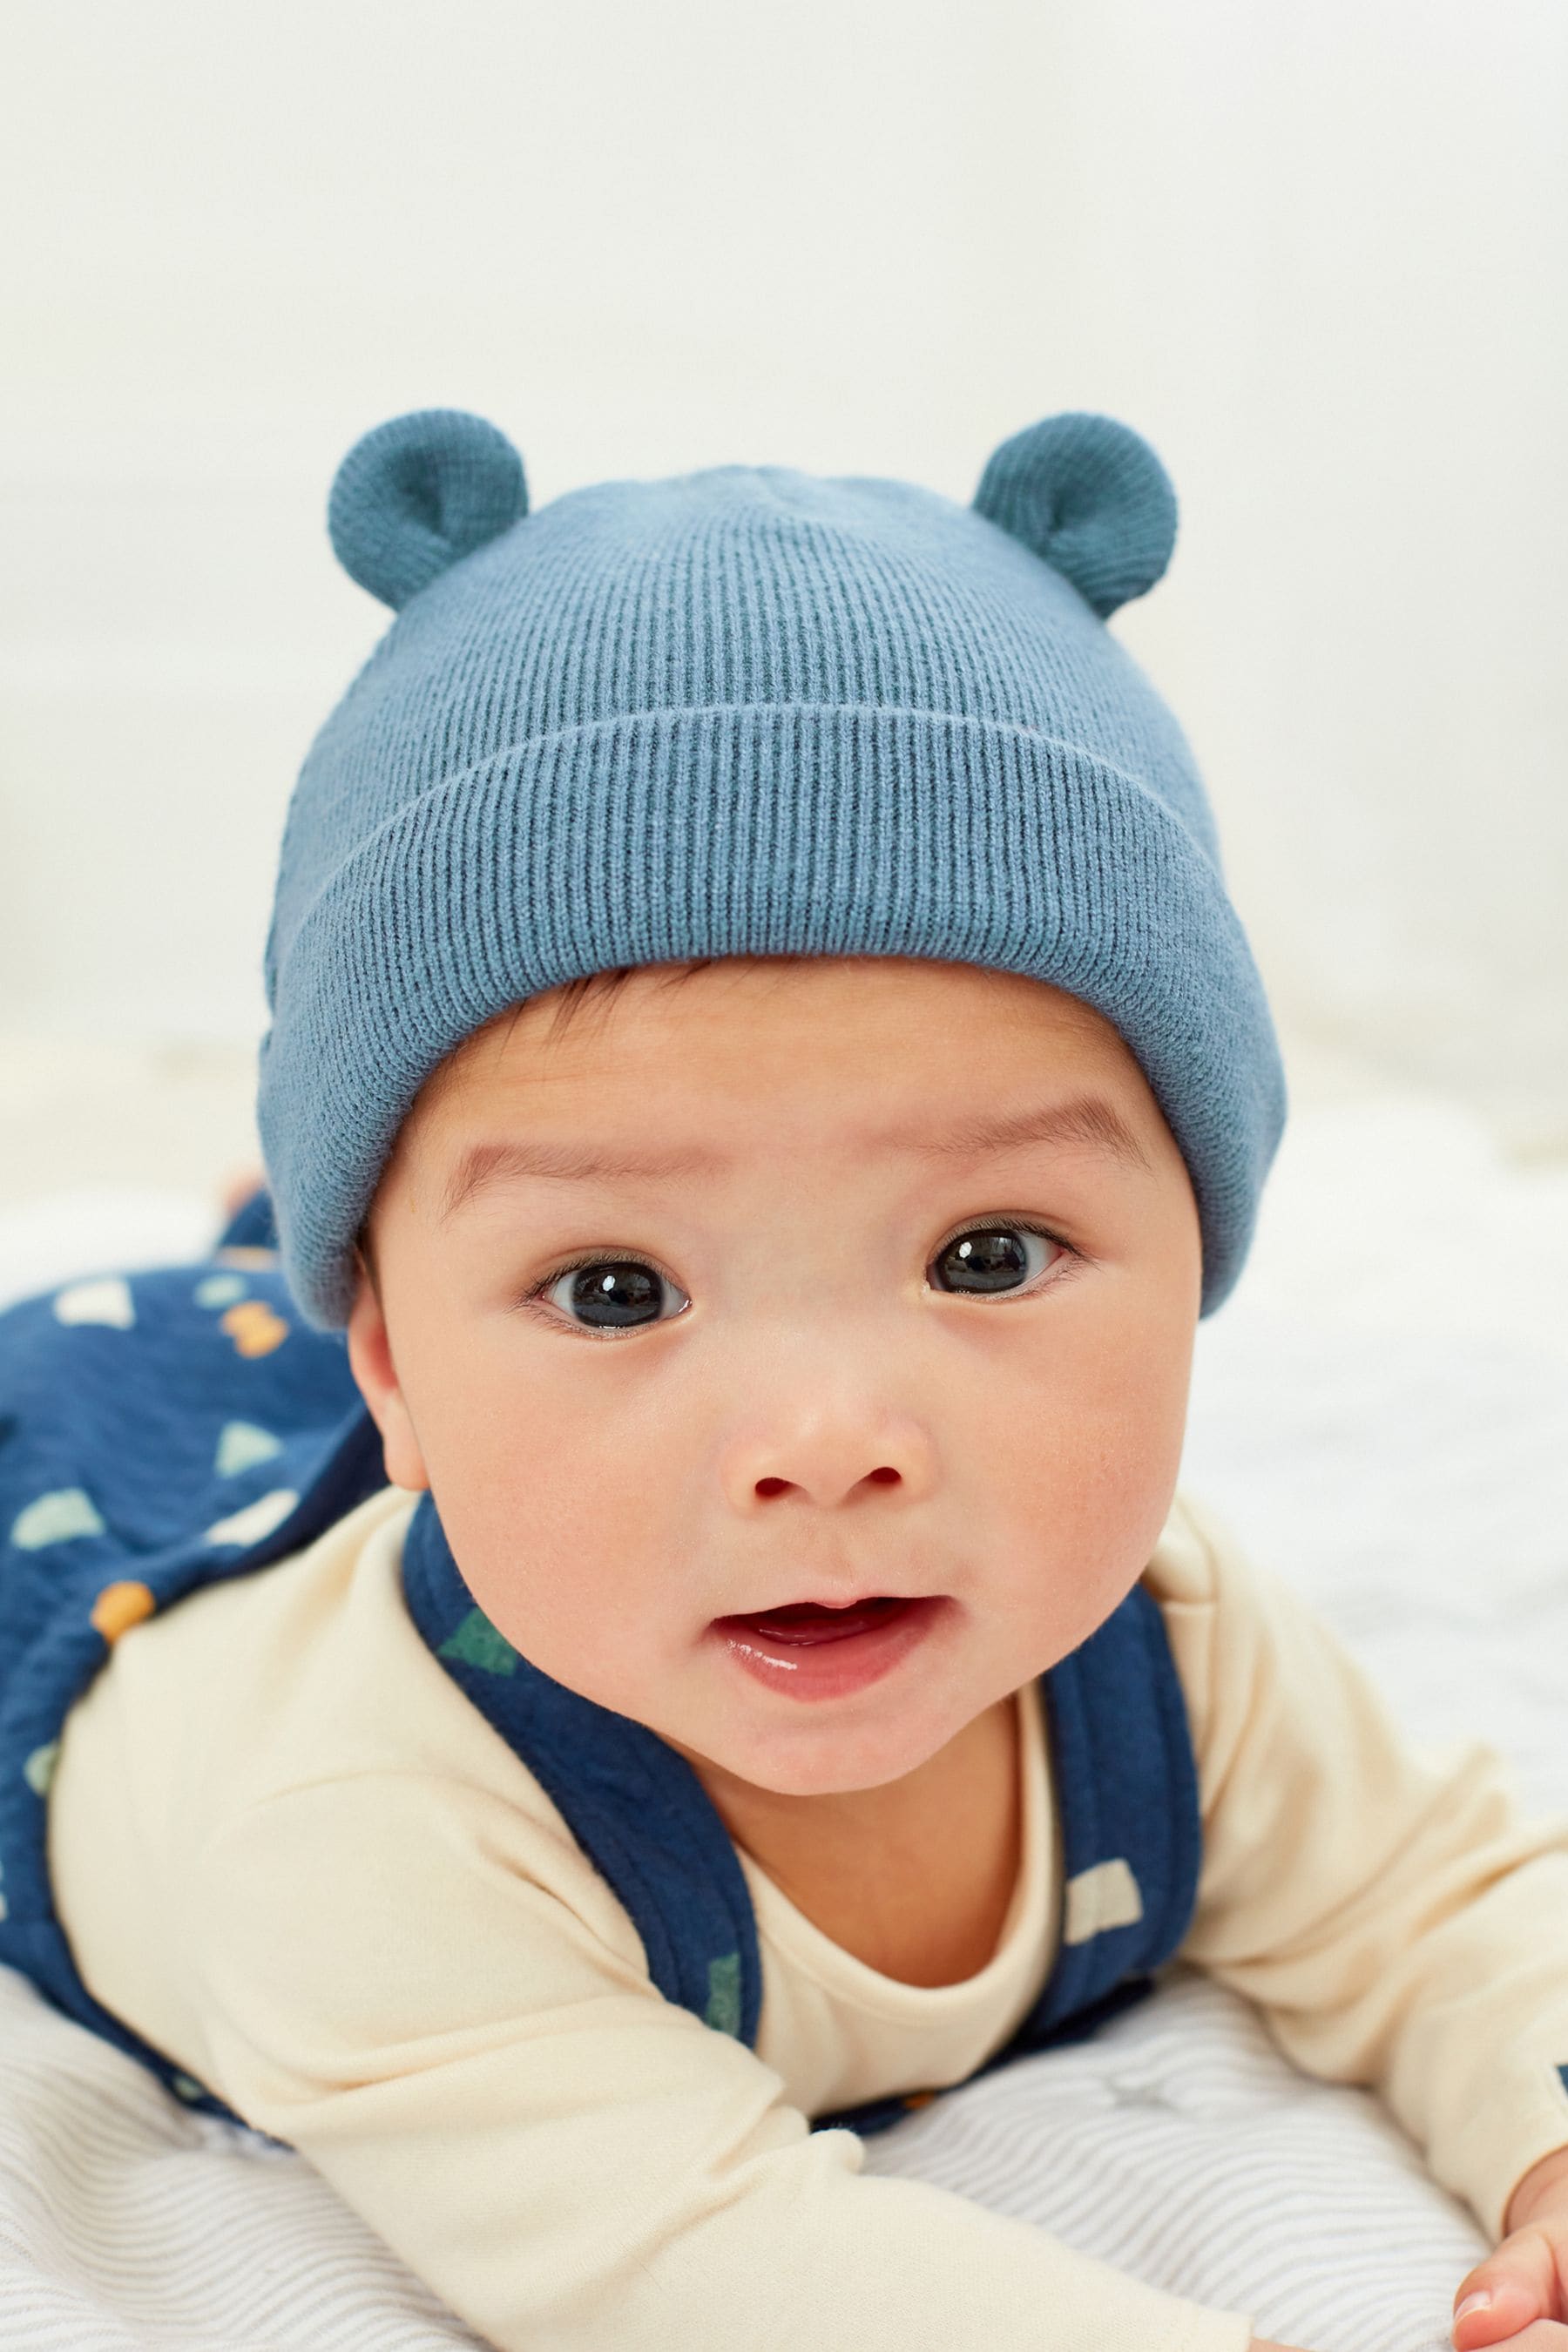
160	1430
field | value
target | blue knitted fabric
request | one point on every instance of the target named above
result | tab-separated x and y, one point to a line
745	711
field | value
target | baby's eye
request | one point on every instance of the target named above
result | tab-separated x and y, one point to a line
611	1294
993	1257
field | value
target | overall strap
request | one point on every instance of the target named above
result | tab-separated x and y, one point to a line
1127	1788
633	1804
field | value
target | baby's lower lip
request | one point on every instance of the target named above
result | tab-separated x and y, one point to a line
808	1657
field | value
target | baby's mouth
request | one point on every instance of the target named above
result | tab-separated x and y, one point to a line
803	1623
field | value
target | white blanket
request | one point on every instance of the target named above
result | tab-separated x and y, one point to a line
1380	1413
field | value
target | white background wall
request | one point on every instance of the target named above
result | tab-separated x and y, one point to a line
1318	256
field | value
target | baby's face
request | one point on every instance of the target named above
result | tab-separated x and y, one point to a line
859	1350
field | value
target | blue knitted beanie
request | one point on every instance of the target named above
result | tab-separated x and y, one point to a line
743	712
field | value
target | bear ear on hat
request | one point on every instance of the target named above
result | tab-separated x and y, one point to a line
418	492
1089	495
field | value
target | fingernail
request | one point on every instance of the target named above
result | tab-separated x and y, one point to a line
1479	2301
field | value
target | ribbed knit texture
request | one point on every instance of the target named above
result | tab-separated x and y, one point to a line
746	712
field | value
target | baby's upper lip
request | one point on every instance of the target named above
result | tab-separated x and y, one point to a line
808	1601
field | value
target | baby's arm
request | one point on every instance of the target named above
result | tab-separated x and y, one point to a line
1401	1922
564	2156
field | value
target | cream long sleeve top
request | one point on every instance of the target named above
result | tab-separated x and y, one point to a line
290	1852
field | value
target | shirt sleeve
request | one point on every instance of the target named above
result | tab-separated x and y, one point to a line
565	2156
1400	1923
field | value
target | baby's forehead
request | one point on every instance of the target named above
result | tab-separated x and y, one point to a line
697	1022
724	1061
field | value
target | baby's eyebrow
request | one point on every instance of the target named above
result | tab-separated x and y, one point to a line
1085	1120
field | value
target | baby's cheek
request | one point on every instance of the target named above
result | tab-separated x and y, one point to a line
1073	1526
552	1581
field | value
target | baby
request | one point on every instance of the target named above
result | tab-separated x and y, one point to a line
633	1623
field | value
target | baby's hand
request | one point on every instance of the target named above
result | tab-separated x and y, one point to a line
1518	2296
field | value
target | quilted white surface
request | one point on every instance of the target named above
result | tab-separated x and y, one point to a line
1381	1412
